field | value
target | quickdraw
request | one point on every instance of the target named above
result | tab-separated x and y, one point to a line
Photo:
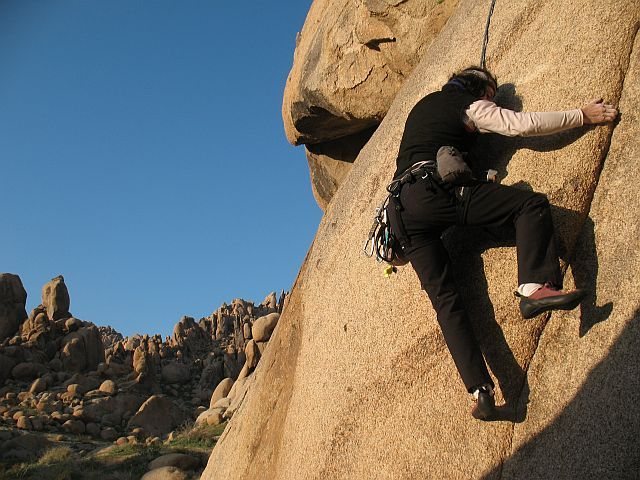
380	239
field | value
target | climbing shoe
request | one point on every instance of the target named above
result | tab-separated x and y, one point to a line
549	298
485	406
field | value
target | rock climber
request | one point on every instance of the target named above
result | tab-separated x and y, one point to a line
427	205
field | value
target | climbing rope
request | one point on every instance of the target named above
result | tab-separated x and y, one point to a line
486	35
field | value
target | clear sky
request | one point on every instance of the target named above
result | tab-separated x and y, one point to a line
144	158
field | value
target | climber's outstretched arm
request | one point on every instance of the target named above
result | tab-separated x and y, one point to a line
487	117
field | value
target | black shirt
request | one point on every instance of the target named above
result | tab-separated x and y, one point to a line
435	121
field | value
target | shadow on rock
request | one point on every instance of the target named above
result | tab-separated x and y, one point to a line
585	272
598	427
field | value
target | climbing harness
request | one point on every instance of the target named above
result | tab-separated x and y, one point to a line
387	237
485	42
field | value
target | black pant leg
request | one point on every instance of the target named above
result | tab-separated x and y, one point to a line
427	212
431	262
494	205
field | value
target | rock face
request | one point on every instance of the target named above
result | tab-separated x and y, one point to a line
82	350
330	162
55	299
263	327
188	335
366	388
13	299
158	416
351	59
586	358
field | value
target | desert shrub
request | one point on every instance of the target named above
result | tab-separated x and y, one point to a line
202	437
56	455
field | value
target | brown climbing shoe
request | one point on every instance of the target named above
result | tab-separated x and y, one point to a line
549	298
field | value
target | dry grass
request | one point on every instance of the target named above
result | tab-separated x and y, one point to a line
202	437
56	455
125	462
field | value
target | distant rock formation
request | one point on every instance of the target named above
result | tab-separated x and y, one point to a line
57	376
55	299
13	299
357	381
109	336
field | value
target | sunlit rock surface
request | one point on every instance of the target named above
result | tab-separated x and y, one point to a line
357	382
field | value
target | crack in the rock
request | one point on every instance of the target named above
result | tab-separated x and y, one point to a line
591	194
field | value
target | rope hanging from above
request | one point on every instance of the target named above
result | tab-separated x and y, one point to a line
486	35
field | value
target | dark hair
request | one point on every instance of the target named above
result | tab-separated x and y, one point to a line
475	80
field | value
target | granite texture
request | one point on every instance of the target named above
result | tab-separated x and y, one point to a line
357	382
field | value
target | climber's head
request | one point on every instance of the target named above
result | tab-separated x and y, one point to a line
478	81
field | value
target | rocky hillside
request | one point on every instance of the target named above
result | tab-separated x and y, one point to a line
359	384
65	380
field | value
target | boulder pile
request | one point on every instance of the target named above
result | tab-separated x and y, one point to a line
65	376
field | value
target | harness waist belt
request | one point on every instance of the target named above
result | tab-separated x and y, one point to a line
426	167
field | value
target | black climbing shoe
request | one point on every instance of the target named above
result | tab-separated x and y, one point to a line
548	298
485	406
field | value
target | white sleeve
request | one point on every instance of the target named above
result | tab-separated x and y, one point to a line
490	118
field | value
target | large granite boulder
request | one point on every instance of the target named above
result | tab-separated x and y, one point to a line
212	373
82	350
27	371
263	327
24	447
13	299
110	410
221	391
165	473
55	299
351	59
158	415
110	337
225	324
37	324
357	381
140	359
178	460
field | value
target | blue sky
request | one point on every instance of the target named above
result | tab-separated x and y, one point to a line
144	158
